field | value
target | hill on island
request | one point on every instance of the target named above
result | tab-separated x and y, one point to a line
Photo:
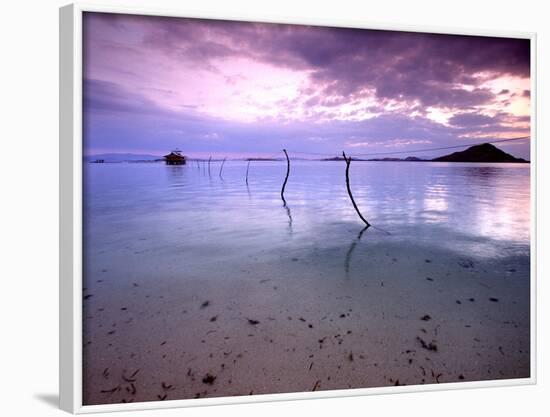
479	153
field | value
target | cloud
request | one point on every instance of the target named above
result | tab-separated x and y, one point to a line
430	68
216	85
473	120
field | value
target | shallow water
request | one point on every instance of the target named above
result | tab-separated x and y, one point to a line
160	241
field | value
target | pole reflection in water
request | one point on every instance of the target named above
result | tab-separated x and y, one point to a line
289	214
352	248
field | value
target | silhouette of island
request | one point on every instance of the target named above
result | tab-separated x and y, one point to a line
480	153
477	153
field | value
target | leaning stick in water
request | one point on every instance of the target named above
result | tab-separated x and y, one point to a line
221	168
247	167
286	178
348	162
209	159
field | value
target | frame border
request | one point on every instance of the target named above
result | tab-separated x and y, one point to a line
70	210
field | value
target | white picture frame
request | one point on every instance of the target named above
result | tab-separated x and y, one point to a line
71	155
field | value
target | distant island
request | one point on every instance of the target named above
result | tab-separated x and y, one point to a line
407	159
480	153
477	153
340	158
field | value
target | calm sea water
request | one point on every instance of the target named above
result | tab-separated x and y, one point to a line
478	209
188	274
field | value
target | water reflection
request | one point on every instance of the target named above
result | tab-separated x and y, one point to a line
289	214
481	174
452	205
436	203
351	249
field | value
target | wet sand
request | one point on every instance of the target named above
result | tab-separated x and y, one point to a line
368	312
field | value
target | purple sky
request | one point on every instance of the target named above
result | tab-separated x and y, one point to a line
229	88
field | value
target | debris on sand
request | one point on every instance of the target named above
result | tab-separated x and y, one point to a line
428	346
131	389
493	299
205	304
110	391
132	377
253	322
166	386
317	383
213	319
208	379
426	317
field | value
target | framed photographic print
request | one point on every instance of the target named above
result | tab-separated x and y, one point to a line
259	210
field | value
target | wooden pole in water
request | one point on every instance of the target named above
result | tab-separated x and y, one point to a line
247	167
348	162
286	178
209	159
221	168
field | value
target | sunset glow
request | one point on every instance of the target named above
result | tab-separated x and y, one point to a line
154	83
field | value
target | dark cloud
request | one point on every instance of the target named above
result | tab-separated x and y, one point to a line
104	96
473	120
343	62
